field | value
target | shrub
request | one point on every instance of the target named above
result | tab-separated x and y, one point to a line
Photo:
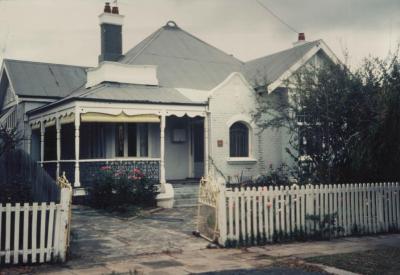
101	193
118	189
145	190
283	175
15	191
275	177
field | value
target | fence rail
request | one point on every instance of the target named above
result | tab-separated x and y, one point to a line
36	232
264	214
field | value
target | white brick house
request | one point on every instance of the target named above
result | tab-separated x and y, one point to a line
173	106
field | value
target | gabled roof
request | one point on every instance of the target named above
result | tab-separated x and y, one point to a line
269	68
36	79
183	60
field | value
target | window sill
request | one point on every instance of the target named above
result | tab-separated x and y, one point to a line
241	160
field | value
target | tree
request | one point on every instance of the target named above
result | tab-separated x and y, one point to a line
9	139
376	155
339	123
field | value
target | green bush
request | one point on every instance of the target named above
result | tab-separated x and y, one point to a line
16	190
283	175
118	189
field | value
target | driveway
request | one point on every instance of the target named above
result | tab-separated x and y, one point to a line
101	237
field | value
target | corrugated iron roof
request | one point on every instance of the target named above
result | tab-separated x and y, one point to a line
269	68
183	61
44	79
116	92
132	93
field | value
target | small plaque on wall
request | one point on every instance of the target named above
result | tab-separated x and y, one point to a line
220	143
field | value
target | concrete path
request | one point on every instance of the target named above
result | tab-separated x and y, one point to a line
99	237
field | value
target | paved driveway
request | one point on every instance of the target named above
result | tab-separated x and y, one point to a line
100	237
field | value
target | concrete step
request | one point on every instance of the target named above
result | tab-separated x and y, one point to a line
185	202
186	205
186	187
186	195
187	192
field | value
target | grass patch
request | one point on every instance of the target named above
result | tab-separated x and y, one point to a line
380	261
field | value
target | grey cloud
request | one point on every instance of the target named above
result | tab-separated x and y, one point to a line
53	29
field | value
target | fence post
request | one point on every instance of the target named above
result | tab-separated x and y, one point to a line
63	228
221	210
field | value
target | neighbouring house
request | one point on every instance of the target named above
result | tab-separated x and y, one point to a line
173	106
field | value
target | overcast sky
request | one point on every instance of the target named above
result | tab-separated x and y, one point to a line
67	31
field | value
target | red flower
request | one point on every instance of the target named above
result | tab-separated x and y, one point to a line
137	171
105	168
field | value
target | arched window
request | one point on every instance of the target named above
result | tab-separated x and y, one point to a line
239	140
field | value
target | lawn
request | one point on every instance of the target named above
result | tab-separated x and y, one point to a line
380	261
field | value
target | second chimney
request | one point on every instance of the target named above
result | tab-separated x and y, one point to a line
301	39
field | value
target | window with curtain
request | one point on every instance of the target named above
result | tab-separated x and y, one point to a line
144	139
131	140
119	140
92	141
239	140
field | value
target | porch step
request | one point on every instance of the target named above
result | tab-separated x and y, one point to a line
186	195
185	202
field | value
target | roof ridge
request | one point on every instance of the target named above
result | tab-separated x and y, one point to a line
158	32
153	36
85	91
288	49
44	63
214	47
184	58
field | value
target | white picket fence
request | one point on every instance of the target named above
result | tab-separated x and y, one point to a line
263	214
35	233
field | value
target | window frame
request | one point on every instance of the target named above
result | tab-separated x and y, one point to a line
241	139
138	141
249	160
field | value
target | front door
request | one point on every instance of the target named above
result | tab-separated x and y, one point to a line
198	148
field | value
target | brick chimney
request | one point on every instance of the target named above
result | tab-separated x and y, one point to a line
301	39
111	33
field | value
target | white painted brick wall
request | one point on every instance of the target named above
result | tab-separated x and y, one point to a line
232	100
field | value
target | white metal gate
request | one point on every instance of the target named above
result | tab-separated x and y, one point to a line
207	221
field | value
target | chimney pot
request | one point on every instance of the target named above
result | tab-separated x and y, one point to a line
107	8
115	10
302	36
